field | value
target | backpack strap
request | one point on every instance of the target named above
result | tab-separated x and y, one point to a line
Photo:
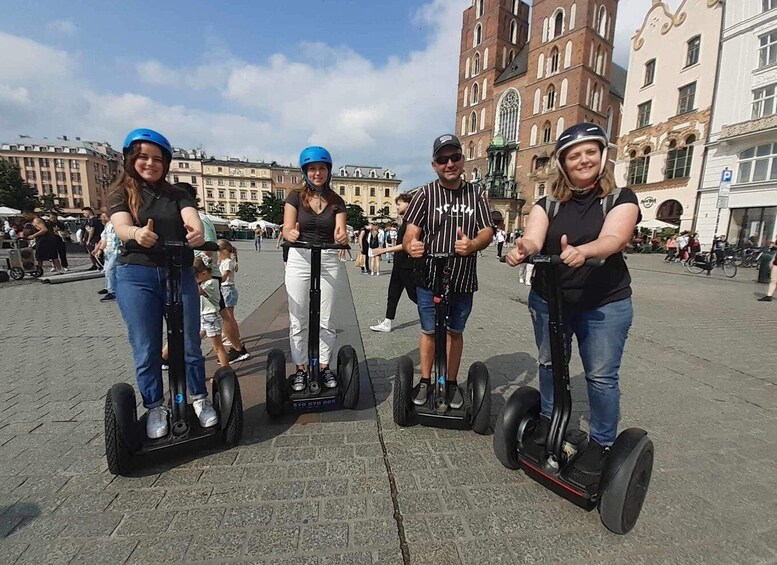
551	206
608	202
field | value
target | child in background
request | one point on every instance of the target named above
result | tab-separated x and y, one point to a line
210	320
228	267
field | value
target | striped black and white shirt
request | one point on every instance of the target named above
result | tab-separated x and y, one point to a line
469	211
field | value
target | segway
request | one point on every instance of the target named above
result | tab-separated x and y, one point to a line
125	434
314	397
619	491
436	412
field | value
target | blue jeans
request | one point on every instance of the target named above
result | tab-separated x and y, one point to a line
141	294
109	267
257	244
459	309
601	336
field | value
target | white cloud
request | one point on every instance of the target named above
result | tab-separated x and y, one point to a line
64	27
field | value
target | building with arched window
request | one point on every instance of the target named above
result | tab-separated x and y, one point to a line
667	108
536	85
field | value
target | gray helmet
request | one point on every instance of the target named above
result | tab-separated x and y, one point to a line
581	133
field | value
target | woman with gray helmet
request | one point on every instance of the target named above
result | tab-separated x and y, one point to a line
585	216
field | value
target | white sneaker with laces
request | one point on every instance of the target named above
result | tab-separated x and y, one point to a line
156	422
205	412
384	326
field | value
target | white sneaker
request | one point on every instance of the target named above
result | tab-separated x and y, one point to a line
520	281
156	423
205	412
52	269
65	269
384	326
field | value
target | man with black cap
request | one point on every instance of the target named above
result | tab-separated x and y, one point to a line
448	215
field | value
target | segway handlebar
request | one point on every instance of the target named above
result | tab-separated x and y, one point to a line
554	260
132	245
309	245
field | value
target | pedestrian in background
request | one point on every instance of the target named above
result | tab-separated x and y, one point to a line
228	268
773	278
257	239
109	246
63	235
210	320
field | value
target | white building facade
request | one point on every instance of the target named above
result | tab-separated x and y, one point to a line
743	134
667	108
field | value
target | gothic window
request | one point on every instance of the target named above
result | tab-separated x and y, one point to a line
533	138
558	24
568	55
509	115
559	127
554	60
471	151
599	61
480	147
478	35
601	21
475	93
540	65
513	32
473	122
476	64
563	96
550	99
480	7
596	98
547	133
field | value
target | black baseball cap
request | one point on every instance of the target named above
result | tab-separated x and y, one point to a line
445	140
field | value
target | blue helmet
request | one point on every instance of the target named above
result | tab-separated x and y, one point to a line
314	154
150	136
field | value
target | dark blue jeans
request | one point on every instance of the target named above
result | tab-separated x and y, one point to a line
141	293
601	336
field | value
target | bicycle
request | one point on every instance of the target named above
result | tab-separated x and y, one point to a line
701	262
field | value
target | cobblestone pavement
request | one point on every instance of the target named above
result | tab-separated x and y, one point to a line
697	374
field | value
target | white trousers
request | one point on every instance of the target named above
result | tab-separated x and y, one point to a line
298	291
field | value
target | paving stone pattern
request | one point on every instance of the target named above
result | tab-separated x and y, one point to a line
698	374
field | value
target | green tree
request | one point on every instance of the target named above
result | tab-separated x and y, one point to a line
247	212
271	209
49	204
355	216
14	192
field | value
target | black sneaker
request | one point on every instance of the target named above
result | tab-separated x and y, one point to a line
299	381
592	459
541	431
765	299
454	395
103	291
421	393
108	297
235	355
329	378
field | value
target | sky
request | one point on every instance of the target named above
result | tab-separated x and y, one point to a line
374	82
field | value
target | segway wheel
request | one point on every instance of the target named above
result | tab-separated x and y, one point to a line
517	420
120	428
17	273
37	272
276	389
479	393
403	392
625	480
229	403
348	373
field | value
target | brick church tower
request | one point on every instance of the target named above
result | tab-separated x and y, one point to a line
562	76
492	33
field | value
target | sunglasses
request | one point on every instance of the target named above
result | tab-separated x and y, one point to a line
456	157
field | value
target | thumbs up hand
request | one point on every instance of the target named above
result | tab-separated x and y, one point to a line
293	234
416	248
570	254
517	254
193	236
341	235
464	245
145	236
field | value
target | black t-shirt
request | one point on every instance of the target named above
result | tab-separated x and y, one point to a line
469	211
313	227
581	219
162	204
97	229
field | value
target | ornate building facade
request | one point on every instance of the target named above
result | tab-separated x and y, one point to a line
553	68
667	108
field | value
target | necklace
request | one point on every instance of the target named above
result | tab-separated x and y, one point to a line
152	193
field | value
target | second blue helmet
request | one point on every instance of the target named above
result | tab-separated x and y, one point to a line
314	154
150	136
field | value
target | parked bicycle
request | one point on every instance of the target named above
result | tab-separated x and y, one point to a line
706	262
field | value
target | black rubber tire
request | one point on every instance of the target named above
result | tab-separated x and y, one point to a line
403	392
348	373
226	390
479	393
729	268
276	383
37	272
692	267
120	428
522	406
623	495
17	273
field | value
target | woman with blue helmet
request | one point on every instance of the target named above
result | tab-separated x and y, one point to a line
315	214
145	208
